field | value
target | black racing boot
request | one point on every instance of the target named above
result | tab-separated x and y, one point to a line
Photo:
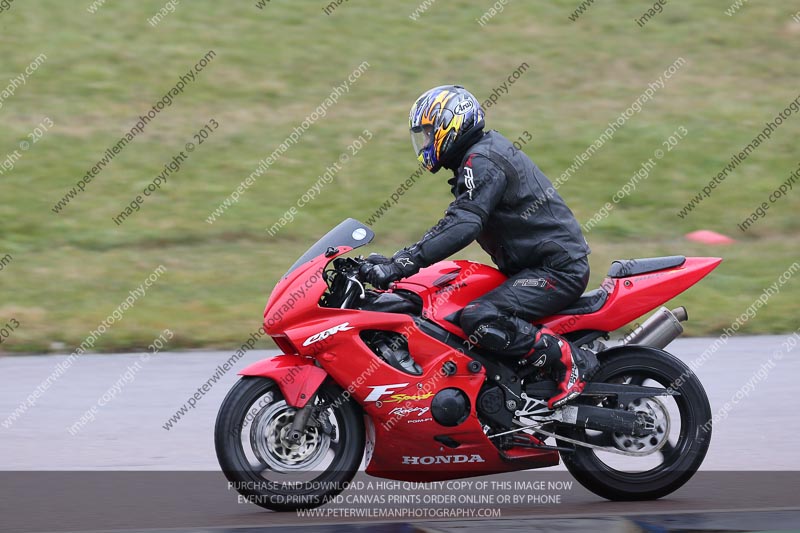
571	366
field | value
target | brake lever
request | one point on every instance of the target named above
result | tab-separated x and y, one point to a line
360	285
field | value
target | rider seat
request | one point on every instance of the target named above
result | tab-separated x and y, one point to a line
622	268
590	302
593	301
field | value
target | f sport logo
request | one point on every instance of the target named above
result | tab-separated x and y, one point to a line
322	335
469	180
379	391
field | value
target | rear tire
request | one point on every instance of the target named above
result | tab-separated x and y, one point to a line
680	459
253	451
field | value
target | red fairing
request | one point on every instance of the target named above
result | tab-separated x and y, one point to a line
297	294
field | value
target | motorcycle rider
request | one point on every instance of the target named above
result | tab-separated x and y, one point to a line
508	205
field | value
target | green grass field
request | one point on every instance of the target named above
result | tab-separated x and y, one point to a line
274	66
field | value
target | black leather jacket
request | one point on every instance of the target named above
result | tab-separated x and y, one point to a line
504	201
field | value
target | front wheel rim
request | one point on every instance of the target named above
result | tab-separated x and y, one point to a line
270	443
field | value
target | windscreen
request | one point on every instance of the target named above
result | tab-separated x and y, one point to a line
351	233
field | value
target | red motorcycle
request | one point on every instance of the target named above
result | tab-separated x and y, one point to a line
390	378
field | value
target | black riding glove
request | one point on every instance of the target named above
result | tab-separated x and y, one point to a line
377	259
383	273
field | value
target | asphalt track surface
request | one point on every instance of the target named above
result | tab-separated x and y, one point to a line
125	471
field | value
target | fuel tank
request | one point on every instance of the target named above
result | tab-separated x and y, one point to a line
448	286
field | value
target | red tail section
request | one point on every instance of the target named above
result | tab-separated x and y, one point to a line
633	296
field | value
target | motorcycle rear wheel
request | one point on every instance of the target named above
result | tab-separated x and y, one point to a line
269	470
679	459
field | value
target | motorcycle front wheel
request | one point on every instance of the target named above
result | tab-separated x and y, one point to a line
271	470
661	462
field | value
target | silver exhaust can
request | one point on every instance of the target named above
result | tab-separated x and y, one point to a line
660	329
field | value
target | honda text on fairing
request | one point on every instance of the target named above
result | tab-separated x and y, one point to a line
388	378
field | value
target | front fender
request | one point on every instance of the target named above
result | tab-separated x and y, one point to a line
297	377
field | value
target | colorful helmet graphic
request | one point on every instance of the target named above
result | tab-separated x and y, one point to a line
438	119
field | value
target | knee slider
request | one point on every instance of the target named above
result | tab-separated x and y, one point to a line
491	337
481	322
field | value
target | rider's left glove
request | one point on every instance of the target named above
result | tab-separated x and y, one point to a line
384	270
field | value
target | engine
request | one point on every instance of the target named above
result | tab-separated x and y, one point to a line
450	407
392	347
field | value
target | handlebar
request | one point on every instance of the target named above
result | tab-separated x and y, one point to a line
363	268
359	267
353	267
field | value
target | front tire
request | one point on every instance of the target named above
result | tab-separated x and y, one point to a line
679	459
269	470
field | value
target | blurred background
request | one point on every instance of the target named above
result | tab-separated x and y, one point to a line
87	71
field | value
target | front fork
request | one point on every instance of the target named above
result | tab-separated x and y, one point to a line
300	421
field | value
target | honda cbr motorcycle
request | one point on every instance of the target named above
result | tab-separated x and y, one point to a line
390	379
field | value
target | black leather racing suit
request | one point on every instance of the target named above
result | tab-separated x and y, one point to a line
504	201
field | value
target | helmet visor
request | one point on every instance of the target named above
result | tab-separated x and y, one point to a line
421	137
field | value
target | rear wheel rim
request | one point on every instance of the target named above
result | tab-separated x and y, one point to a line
682	427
